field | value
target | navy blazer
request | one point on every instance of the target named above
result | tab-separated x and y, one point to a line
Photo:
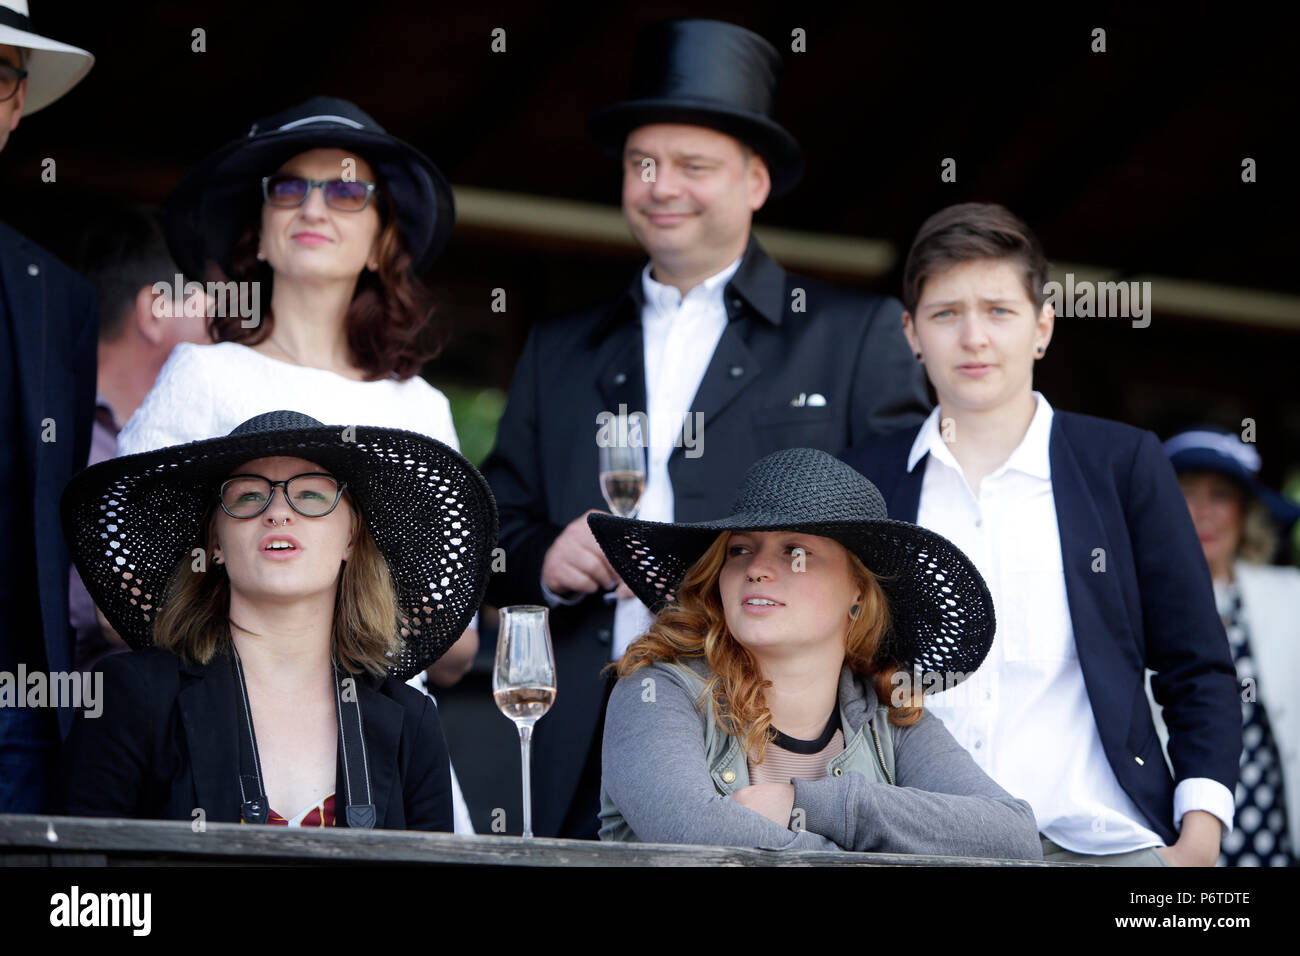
167	743
54	330
1153	605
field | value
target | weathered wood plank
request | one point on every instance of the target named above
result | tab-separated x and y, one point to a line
138	840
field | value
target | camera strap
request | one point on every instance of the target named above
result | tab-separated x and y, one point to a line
255	808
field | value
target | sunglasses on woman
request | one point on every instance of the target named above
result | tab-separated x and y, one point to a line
286	191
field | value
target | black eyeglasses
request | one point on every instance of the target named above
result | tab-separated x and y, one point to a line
313	495
286	192
11	77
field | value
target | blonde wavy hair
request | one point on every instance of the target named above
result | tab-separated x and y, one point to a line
194	621
695	626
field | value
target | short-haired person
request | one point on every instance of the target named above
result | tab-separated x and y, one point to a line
764	706
1078	526
1237	520
124	256
269	585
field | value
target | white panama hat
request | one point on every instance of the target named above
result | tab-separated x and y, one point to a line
52	67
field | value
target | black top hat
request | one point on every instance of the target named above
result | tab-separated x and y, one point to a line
941	609
205	214
129	521
706	73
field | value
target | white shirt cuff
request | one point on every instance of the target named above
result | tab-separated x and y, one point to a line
1203	793
554	600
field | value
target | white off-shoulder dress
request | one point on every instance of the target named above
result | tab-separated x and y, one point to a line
204	391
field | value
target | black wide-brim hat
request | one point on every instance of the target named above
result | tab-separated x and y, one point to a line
129	521
206	213
706	73
940	608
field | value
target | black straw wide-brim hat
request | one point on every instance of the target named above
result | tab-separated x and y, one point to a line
213	203
130	521
706	73
941	609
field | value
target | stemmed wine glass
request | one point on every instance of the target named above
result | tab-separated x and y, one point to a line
523	681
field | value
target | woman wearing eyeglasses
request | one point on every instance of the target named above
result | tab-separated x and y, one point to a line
322	222
265	582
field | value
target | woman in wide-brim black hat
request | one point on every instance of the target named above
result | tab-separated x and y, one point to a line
776	700
278	585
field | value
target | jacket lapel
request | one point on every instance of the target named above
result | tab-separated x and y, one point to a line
26	295
1096	605
904	499
757	289
732	369
620	359
209	713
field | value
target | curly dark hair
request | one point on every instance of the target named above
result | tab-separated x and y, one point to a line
390	324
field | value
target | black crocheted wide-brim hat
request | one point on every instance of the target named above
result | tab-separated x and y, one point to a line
706	73
129	521
941	610
205	214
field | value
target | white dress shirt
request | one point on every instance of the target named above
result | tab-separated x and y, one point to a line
679	335
1025	716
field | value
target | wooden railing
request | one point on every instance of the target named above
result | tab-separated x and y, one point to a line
39	840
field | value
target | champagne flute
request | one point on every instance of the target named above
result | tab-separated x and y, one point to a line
623	464
523	681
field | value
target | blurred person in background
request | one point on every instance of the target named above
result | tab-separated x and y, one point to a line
123	255
47	392
1237	521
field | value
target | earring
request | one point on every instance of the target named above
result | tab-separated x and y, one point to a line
374	267
1039	350
853	611
918	357
261	256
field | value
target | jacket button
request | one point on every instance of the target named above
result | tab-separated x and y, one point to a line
736	371
838	771
728	776
620	378
602	635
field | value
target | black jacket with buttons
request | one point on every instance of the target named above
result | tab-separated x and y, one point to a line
786	336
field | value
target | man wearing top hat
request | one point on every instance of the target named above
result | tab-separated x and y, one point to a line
47	400
729	357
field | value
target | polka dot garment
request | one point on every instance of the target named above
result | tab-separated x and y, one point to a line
1259	837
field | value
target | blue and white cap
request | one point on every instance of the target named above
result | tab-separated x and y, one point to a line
1207	448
